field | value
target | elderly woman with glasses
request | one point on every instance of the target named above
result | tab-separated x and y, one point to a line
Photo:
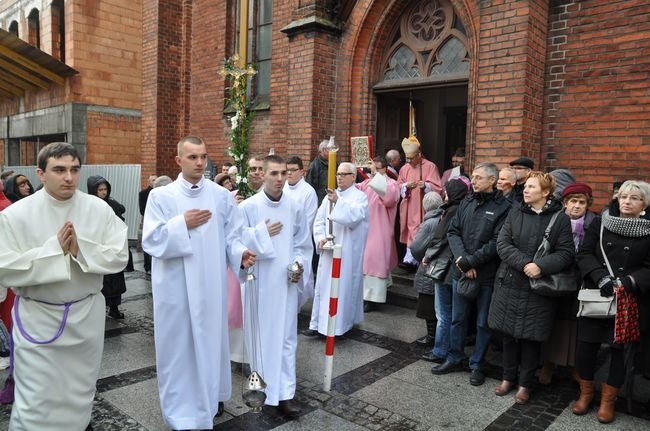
625	242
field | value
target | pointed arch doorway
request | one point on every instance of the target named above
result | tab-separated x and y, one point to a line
425	61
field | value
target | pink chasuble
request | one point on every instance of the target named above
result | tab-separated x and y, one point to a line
410	210
380	256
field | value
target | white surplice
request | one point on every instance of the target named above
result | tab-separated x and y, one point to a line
350	224
55	382
190	298
303	193
277	316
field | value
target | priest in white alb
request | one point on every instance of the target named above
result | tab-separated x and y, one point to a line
192	230
276	231
303	193
350	227
380	256
56	246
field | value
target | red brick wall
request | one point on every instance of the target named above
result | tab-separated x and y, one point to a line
508	104
564	82
165	83
112	139
597	99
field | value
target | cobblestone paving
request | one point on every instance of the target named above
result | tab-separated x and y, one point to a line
546	405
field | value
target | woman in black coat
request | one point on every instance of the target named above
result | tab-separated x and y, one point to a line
626	242
523	317
114	284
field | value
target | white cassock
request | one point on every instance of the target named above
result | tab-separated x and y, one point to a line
55	382
277	317
189	286
350	224
303	193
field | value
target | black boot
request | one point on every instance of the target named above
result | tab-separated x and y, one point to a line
115	312
430	339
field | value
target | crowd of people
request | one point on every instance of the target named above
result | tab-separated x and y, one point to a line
230	274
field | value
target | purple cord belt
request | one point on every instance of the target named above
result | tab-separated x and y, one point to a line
23	332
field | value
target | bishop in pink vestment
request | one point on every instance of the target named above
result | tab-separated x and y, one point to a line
416	178
380	256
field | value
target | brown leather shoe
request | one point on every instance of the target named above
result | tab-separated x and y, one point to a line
522	396
607	399
504	388
581	406
289	408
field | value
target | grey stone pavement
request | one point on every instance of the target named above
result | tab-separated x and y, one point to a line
379	383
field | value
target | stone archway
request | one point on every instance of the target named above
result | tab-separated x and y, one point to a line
363	51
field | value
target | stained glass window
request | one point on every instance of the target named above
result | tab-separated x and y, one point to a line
429	41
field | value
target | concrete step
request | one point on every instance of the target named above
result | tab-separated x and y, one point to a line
402	293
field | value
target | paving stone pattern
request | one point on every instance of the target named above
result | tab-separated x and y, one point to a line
342	408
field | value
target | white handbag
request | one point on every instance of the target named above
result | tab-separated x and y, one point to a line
591	303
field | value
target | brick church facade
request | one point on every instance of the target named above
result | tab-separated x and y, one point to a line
564	82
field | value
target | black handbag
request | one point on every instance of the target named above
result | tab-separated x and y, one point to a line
438	268
559	284
440	261
468	288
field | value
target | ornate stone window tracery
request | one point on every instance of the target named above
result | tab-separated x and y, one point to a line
429	42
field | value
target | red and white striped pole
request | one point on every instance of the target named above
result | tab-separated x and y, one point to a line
331	321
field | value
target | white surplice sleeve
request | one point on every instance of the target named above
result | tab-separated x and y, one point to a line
301	246
38	265
164	236
351	211
255	235
233	230
106	255
310	207
320	224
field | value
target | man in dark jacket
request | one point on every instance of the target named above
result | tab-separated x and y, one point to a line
472	237
317	172
522	166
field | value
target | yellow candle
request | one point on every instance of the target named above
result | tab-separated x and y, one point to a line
331	170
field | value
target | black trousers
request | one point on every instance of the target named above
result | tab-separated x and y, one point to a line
147	261
586	357
520	357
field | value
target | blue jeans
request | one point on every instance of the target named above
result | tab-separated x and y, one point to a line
458	331
443	314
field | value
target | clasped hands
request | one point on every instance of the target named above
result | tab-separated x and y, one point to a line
469	272
414	184
532	270
67	237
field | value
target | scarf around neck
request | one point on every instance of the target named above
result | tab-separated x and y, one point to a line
629	227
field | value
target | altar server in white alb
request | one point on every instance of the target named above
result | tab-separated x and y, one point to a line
56	246
192	230
276	231
303	193
350	228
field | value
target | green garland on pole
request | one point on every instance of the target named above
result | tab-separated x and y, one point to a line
241	124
